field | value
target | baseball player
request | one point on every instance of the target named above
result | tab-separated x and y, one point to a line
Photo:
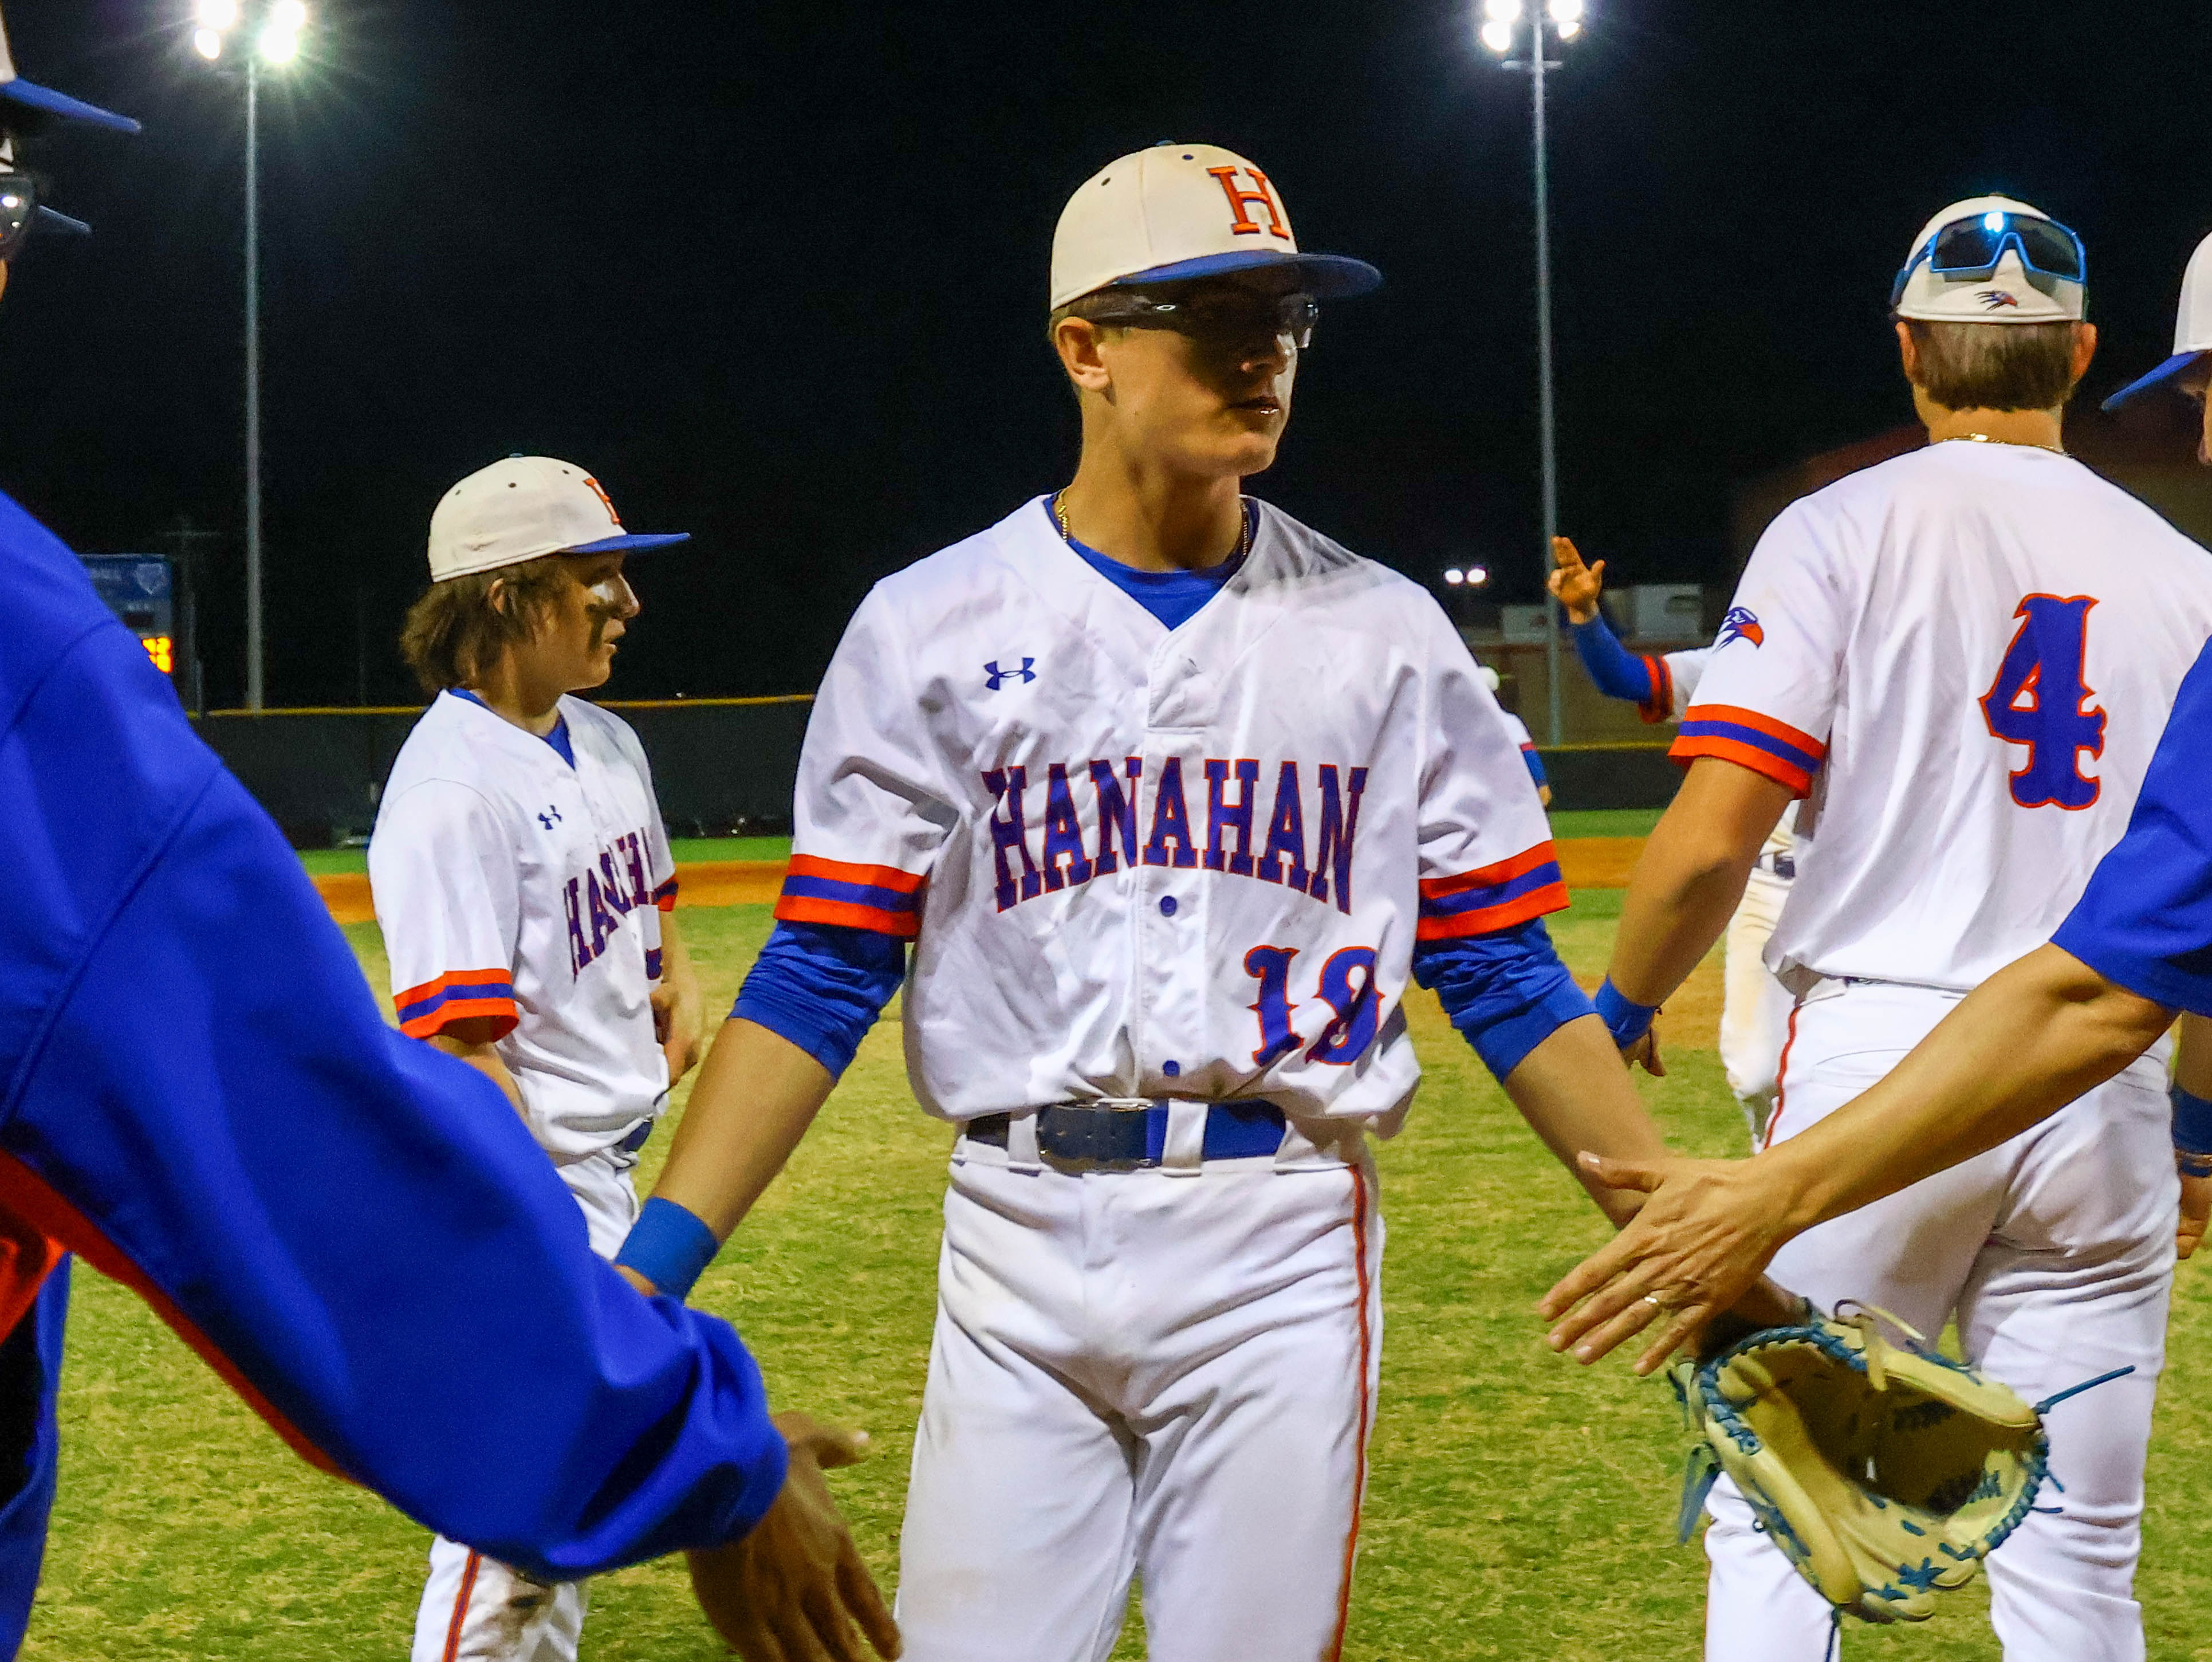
1518	731
205	1103
526	890
1173	796
1963	657
1754	1006
2020	1047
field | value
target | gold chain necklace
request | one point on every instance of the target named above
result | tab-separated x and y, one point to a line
1983	438
1243	536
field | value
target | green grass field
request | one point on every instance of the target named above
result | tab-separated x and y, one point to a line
1519	1507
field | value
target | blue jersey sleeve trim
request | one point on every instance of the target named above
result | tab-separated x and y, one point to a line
822	986
1617	672
1506	992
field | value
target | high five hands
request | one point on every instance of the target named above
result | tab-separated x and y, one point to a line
1574	585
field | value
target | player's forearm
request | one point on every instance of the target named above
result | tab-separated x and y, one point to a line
2192	1057
1576	1095
2024	1043
1691	877
756	1096
485	1059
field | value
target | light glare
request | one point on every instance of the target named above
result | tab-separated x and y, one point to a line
1477	576
290	14
1993	221
208	43
1569	29
1497	35
1565	13
1501	11
1455	576
279	45
217	15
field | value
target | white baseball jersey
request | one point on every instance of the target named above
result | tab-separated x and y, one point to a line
513	886
1139	862
1517	730
1974	648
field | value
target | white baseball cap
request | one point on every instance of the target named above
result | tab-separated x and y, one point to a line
1185	210
1489	676
2192	328
524	507
1991	260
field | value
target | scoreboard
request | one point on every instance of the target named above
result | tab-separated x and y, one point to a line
141	590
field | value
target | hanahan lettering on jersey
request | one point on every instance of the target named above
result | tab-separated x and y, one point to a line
1038	841
599	900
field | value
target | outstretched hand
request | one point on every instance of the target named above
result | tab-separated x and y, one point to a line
1574	585
1696	1249
793	1589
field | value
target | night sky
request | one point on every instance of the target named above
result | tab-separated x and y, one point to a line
776	274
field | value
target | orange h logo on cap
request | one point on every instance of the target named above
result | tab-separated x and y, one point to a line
605	500
1239	200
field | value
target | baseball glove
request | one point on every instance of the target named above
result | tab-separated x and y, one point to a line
1886	1474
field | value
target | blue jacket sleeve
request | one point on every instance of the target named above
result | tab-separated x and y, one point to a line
203	1099
1616	672
1507	991
2145	921
822	986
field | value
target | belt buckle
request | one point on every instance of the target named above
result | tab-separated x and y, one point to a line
1088	1161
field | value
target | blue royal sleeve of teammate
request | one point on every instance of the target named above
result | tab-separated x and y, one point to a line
2145	921
1767	697
353	1230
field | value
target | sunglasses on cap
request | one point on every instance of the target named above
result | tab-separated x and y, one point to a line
1972	248
1212	313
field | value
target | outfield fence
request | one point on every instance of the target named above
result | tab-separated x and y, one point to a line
720	766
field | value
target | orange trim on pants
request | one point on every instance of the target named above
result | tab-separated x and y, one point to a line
461	1606
1366	1408
1782	1076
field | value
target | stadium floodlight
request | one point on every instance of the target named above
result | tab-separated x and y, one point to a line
1523	34
1477	576
276	31
1455	576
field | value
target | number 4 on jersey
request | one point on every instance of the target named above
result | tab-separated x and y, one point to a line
2039	698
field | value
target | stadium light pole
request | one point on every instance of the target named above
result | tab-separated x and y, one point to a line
272	31
1534	27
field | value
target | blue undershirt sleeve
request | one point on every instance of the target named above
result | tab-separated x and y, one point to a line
1535	764
1507	991
822	986
1618	673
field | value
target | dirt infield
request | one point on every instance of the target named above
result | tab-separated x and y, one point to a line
1588	863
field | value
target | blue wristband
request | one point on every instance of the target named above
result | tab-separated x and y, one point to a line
2193	1121
669	1247
1626	1020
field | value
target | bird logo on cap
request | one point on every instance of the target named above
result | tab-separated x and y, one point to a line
1996	300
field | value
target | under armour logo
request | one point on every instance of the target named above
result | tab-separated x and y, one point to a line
999	678
550	818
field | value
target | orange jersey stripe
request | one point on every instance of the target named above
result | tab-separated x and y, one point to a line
1486	877
454	980
839	871
1758	723
1551	897
806	909
501	1010
1747	756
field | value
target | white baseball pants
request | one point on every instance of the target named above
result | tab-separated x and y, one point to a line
1754	1006
2055	1252
475	1609
1170	1376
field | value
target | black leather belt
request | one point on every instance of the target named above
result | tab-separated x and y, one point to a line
1134	1136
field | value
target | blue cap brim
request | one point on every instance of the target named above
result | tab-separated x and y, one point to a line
630	542
47	101
2157	378
1327	276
